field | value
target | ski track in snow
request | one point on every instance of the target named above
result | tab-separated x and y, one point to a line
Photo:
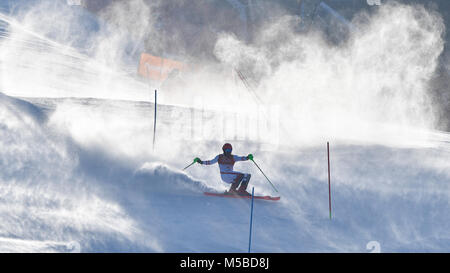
61	192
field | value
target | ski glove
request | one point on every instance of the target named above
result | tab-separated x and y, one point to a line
250	156
198	160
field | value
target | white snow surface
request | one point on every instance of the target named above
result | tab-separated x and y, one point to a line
59	189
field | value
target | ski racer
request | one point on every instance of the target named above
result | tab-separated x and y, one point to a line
226	162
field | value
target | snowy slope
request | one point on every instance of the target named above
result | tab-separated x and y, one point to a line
57	190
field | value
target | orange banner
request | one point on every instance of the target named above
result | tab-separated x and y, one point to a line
157	68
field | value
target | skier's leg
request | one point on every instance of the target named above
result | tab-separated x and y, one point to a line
244	183
236	182
233	187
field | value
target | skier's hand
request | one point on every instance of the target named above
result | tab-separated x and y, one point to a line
198	160
250	156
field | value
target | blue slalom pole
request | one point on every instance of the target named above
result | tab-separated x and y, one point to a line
251	222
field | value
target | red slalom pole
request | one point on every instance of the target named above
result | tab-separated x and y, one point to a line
154	121
329	180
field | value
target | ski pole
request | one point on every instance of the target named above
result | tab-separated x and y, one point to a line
195	160
265	175
189	165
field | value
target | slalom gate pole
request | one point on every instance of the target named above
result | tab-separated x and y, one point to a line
329	180
154	122
251	222
265	176
188	165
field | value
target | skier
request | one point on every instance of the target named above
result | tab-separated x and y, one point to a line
226	162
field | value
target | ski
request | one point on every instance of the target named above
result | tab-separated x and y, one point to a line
270	198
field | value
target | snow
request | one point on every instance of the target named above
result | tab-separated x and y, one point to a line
55	190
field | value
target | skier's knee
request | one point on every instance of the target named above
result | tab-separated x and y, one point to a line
240	178
247	177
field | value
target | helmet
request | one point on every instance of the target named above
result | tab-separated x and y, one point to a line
227	146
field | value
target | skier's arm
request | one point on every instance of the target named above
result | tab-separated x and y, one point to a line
210	162
240	158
